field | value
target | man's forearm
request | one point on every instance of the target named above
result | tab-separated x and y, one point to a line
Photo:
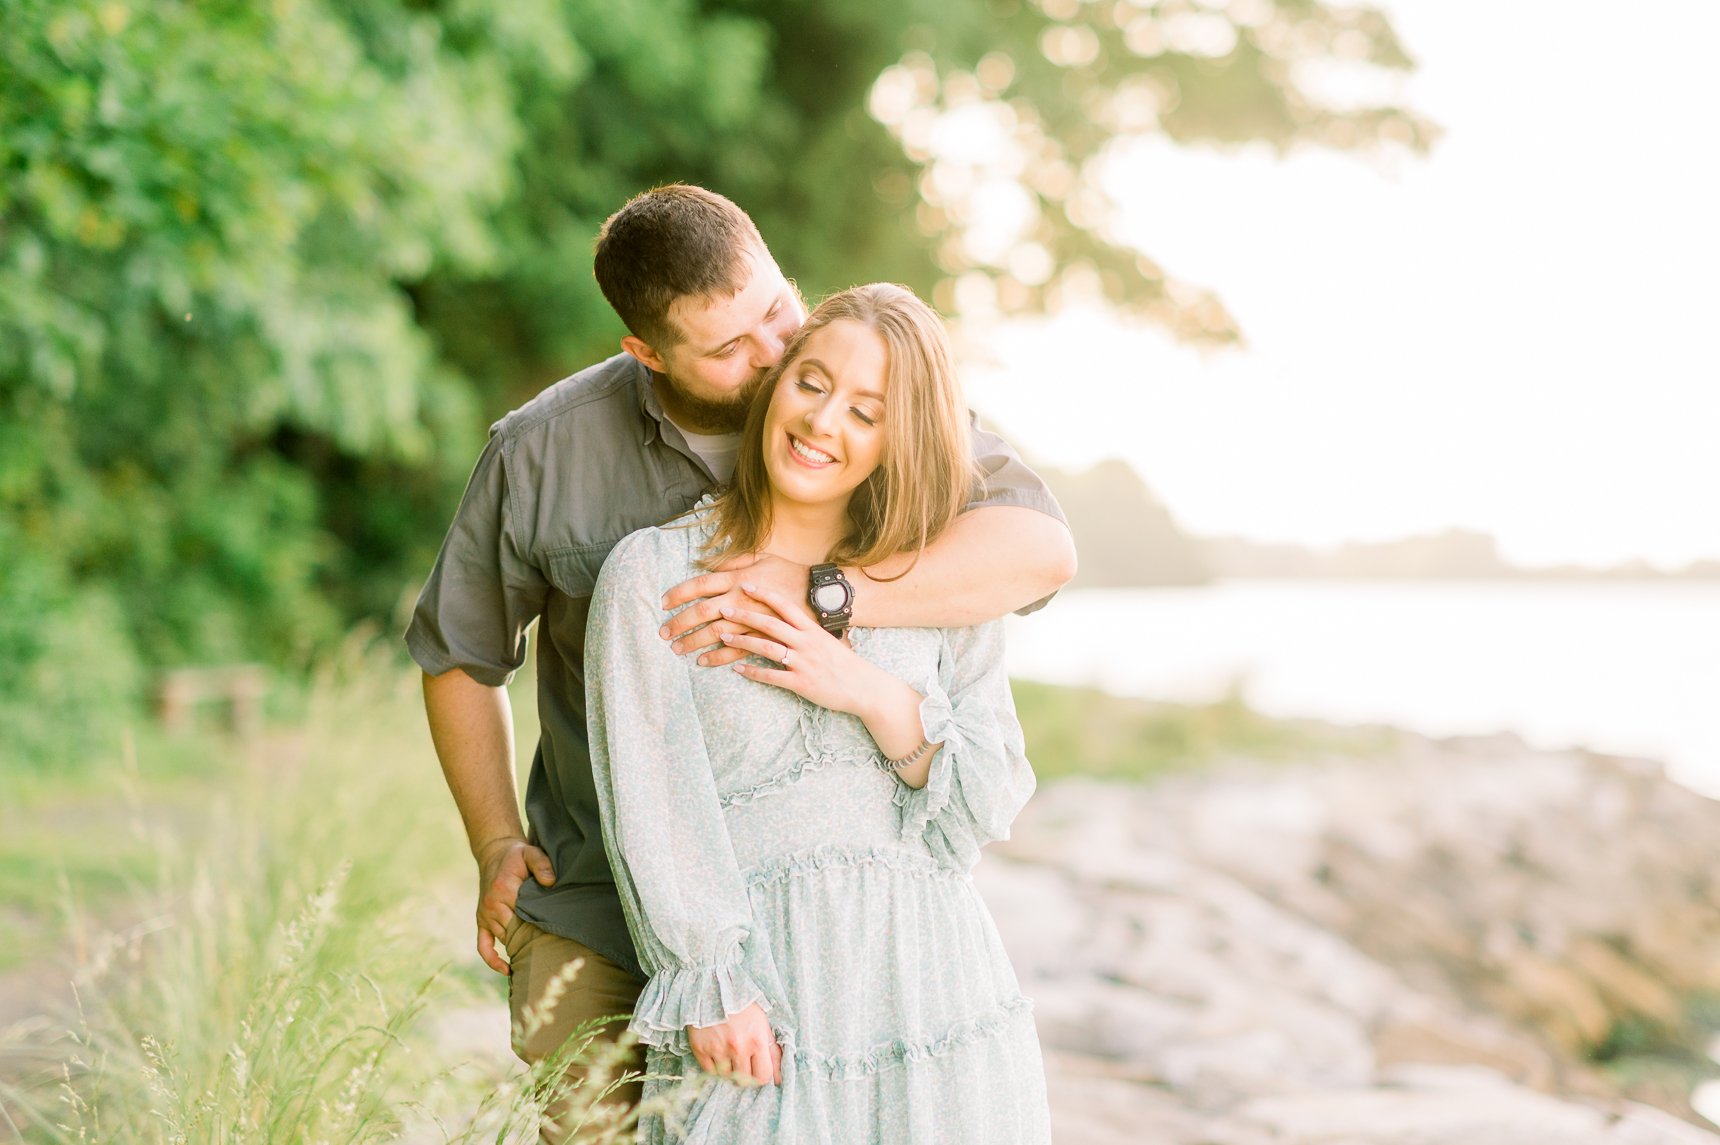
991	561
472	727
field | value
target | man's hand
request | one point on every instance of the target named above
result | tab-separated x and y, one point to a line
701	624
502	866
742	1048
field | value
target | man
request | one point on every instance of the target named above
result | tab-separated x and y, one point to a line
627	443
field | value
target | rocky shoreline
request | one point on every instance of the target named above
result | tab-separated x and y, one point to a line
1443	947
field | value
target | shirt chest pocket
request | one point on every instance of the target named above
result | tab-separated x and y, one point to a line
573	569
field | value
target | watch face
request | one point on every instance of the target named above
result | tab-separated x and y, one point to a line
830	597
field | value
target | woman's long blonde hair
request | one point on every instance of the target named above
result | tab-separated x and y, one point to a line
926	474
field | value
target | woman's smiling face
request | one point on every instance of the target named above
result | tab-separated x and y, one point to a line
824	431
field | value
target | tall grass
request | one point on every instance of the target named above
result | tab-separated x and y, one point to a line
278	974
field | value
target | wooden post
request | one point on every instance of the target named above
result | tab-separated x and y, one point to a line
239	687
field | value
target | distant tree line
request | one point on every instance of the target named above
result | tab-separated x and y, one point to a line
267	269
1127	538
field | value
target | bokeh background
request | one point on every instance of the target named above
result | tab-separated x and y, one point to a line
1370	347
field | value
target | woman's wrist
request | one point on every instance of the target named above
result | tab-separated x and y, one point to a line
890	709
872	692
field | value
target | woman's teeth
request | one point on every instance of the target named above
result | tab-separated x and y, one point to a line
810	454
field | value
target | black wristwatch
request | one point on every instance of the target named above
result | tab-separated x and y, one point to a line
831	598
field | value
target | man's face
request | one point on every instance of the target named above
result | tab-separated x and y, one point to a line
727	346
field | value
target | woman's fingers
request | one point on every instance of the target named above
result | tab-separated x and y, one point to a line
769	649
717	657
760	1066
777	677
763	623
741	1048
703	637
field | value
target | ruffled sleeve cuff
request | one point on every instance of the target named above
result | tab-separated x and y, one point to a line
698	995
922	805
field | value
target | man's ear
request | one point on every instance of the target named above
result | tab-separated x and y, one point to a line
648	356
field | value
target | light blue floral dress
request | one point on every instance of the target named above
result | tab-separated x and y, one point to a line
762	856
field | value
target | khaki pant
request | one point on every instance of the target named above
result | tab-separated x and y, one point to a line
548	1005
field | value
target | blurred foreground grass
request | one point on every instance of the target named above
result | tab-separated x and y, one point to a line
261	942
264	939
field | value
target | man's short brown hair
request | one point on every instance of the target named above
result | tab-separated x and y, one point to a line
671	242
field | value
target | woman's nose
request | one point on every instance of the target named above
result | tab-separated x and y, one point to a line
815	415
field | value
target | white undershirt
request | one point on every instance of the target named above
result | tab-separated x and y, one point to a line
717	450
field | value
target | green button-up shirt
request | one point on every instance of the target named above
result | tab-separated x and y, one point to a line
563	478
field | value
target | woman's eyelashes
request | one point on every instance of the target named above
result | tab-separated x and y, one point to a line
807	386
810	387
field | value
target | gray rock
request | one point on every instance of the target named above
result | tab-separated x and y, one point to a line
1414	951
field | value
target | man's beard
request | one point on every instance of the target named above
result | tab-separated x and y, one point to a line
720	415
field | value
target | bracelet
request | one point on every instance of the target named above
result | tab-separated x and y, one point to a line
913	757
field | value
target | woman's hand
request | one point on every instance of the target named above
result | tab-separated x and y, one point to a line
815	664
829	673
742	1048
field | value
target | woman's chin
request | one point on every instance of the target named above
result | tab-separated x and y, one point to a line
788	478
796	489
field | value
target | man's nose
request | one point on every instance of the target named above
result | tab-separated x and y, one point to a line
771	344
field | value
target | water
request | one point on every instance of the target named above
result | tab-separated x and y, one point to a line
1630	668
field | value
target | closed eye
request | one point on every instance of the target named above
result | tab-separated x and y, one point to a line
863	415
807	387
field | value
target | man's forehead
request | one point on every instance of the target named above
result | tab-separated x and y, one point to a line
710	321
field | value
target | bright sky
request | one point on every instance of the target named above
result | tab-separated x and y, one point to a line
1516	334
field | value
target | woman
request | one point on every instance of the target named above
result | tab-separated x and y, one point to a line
792	838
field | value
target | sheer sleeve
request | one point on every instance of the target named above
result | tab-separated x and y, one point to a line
681	889
980	779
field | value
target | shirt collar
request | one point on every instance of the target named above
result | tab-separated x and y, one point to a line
657	424
654	418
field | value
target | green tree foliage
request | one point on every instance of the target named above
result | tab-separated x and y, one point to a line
206	363
264	267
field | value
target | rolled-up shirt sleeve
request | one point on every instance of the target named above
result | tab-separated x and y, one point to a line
483	592
1005	479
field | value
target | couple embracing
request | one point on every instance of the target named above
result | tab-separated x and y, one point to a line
768	553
